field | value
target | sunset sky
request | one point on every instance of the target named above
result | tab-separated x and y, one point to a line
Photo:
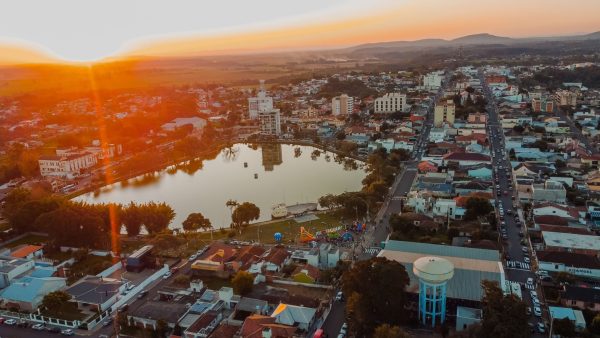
74	30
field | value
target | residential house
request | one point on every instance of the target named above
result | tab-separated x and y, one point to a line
96	293
28	252
258	326
549	191
467	159
575	316
570	242
27	293
298	316
11	268
306	274
202	327
580	297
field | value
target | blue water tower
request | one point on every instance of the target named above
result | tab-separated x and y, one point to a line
433	273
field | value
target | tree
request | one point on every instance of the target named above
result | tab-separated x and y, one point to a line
476	207
196	221
182	280
595	327
503	316
56	302
244	214
328	201
242	282
157	216
518	128
387	331
376	294
132	218
401	223
340	135
564	327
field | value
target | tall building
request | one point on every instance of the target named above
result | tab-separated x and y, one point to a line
342	105
390	103
566	98
270	122
444	113
261	103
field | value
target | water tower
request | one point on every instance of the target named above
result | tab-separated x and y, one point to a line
433	273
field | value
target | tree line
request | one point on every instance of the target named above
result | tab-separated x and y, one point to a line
70	223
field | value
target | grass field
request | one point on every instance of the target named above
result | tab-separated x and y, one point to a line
289	228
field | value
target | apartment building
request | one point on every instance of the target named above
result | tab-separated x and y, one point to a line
390	103
565	98
261	103
270	122
444	113
342	105
66	165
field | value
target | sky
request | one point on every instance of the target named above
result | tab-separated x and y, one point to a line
75	30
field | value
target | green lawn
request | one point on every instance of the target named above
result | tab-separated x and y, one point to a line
90	265
289	228
29	239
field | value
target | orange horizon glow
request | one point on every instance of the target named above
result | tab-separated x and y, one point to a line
398	21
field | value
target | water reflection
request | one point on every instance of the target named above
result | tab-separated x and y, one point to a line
205	185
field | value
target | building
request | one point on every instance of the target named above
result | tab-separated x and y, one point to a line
342	105
11	268
292	315
466	317
95	293
270	122
261	103
575	316
140	259
565	98
66	165
28	252
27	293
259	326
432	81
471	267
196	123
580	297
570	242
444	113
549	191
577	264
390	103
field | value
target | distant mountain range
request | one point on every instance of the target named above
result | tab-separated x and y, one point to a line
475	39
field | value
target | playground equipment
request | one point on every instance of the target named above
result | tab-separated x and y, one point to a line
306	236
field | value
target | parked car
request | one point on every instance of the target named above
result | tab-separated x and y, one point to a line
529	280
537	311
339	297
38	327
67	332
533	294
142	294
10	322
526	260
541	328
528	309
167	275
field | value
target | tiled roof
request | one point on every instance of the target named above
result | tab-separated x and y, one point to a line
569	259
456	156
25	251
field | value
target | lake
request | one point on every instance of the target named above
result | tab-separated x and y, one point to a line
264	174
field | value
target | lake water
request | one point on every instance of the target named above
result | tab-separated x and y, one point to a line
284	174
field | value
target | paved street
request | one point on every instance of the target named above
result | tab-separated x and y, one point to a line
505	198
335	319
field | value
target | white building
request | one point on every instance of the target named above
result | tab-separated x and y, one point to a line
433	80
270	122
197	124
261	103
342	105
66	165
390	102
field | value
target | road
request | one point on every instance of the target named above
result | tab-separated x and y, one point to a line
505	196
17	332
577	132
335	319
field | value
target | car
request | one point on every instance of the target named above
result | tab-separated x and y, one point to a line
130	287
345	326
524	249
10	322
528	310
341	335
107	322
38	327
521	234
167	275
533	294
142	294
541	327
53	329
529	280
531	327
102	336
339	297
67	332
526	260
536	302
192	257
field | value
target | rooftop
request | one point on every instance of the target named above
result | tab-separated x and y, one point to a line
572	241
